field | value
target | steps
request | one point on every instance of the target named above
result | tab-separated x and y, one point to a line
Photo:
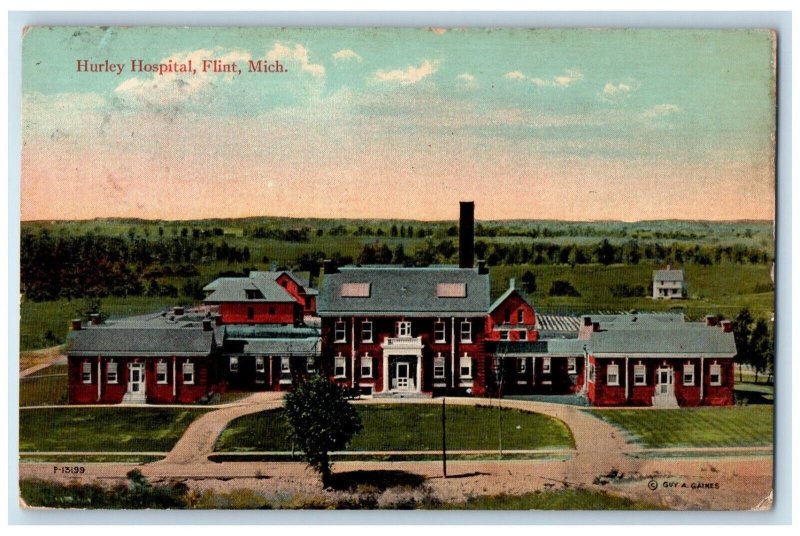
665	401
134	398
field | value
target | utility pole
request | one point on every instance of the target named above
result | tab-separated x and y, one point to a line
444	441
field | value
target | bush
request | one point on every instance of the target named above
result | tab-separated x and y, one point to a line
624	290
563	288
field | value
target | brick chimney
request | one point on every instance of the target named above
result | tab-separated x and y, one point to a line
76	324
329	267
466	235
711	320
587	320
206	324
177	310
94	318
727	326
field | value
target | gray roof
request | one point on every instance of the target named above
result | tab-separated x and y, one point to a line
663	341
245	331
281	347
668	275
406	291
558	323
131	341
632	320
503	297
234	289
544	348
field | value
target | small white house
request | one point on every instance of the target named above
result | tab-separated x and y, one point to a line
668	284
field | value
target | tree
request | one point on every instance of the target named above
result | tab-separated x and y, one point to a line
529	282
605	253
563	288
321	420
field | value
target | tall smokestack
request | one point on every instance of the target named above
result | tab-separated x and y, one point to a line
466	235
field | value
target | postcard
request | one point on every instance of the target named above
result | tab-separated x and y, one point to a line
383	268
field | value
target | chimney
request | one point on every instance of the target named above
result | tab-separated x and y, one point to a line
218	320
587	320
76	324
94	318
482	267
596	326
329	267
206	324
727	326
512	283
177	310
466	235
669	267
711	320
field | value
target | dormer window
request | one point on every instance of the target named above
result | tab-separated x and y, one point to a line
252	294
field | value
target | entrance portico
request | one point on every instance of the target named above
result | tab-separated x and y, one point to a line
402	364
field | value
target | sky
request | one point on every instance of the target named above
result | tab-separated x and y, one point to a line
400	123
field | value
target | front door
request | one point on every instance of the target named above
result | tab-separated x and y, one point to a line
403	383
136	378
664	381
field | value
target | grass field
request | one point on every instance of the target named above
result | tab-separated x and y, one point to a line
568	499
410	427
102	429
695	427
46	387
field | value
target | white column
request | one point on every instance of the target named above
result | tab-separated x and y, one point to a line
419	373
385	373
702	376
174	377
99	379
626	378
353	351
453	352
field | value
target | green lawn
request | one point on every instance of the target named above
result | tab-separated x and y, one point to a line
568	499
411	427
103	429
736	426
46	387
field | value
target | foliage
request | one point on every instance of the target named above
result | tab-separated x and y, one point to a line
529	282
755	342
563	288
625	290
321	420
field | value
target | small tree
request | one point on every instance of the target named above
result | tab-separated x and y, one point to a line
529	282
321	420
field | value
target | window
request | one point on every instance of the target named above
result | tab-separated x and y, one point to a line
688	375
260	364
271	311
465	366
366	331
234	364
311	365
506	316
639	375
438	367
591	372
612	374
715	374
451	290
366	366
439	331
86	373
161	372
404	329
339	369
354	290
285	366
520	316
251	313
572	365
523	335
545	365
466	331
504	335
522	365
111	372
340	331
188	373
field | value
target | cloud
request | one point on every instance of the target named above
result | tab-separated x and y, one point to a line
409	75
612	91
514	75
466	78
346	54
170	88
297	55
661	110
565	80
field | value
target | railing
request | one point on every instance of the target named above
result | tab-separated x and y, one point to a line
403	342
